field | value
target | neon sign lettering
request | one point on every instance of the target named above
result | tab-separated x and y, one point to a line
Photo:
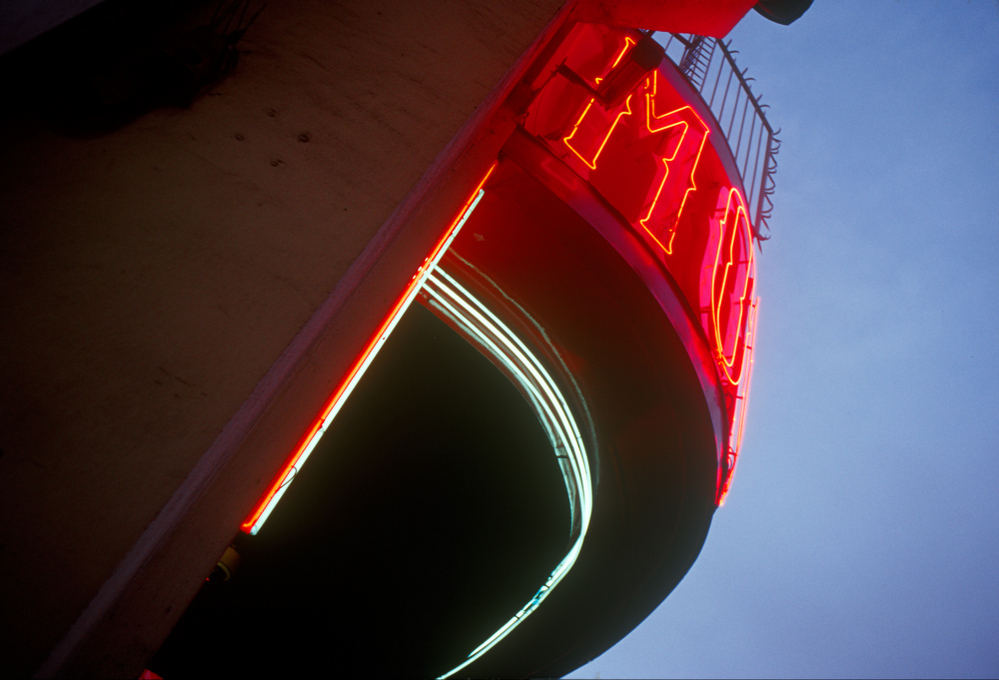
693	134
595	127
591	154
628	44
674	136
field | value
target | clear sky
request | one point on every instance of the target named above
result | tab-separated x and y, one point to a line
861	535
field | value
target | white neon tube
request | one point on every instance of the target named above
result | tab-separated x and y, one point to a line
420	278
529	360
578	459
552	410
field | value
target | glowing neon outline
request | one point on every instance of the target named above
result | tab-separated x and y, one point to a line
268	501
620	56
523	354
541	408
565	430
650	114
723	360
593	165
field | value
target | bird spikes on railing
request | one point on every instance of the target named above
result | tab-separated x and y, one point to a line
753	142
769	185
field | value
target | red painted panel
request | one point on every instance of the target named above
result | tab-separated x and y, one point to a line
702	17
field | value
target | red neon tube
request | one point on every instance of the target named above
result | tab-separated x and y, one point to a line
740	218
287	471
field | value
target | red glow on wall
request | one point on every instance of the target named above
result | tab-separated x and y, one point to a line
286	474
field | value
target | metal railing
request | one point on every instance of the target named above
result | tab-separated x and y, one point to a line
709	65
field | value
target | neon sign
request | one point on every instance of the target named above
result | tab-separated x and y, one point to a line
680	135
628	44
646	164
730	312
693	134
656	204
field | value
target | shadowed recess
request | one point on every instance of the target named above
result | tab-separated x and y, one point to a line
356	568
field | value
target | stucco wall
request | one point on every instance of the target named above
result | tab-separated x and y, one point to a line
152	276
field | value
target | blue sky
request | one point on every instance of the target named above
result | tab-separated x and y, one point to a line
861	535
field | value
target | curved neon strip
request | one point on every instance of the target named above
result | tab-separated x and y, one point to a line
552	410
279	485
547	418
727	360
741	406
